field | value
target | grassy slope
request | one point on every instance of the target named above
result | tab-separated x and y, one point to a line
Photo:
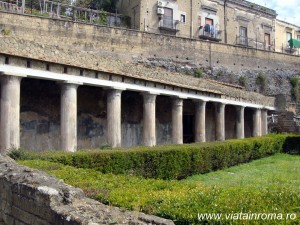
267	185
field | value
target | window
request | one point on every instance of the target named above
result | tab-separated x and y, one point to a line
209	21
298	37
182	18
267	41
208	28
288	36
243	36
168	17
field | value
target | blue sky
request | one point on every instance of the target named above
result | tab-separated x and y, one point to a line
287	10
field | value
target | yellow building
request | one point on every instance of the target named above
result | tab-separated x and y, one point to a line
285	32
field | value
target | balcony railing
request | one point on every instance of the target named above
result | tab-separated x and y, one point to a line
253	43
170	25
211	33
6	6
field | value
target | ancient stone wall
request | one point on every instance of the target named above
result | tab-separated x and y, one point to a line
30	197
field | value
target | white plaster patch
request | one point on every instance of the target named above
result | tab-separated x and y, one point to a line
48	190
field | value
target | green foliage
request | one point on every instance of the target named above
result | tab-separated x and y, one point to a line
170	161
269	185
295	88
107	5
261	80
198	73
102	18
6	32
17	154
243	81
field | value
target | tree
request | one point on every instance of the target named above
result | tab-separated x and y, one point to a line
107	5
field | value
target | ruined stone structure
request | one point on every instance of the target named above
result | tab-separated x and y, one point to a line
83	86
28	196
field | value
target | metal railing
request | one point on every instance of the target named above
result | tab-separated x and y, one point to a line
7	6
210	34
169	24
253	43
286	48
53	9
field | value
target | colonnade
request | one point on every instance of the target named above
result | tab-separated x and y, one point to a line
10	117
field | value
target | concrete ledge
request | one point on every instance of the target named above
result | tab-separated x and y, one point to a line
28	196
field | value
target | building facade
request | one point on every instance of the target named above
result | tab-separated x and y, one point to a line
285	32
232	22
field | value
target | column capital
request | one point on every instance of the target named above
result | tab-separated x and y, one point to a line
3	73
70	83
177	101
199	102
149	97
114	92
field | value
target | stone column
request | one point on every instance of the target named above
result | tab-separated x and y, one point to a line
264	121
200	107
68	117
257	123
240	122
177	126
10	112
220	121
149	132
114	117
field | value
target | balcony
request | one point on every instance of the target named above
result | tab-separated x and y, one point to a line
210	33
169	25
253	43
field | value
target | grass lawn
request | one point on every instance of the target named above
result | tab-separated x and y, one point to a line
268	185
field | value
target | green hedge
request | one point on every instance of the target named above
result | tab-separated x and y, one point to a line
172	161
269	185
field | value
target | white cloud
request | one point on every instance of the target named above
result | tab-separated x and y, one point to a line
287	10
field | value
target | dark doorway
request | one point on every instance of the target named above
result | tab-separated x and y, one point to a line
188	128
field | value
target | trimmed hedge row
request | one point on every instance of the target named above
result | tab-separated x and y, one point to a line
173	161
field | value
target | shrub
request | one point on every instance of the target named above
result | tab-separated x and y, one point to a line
171	161
6	32
198	73
255	187
295	88
261	80
243	81
17	153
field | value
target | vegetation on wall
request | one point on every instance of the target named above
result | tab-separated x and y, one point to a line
295	88
243	81
261	81
170	161
198	73
6	32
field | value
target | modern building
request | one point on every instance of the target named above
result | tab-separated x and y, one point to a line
236	22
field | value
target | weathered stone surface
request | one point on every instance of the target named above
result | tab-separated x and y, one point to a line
40	199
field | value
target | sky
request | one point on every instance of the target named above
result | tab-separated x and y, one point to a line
287	10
